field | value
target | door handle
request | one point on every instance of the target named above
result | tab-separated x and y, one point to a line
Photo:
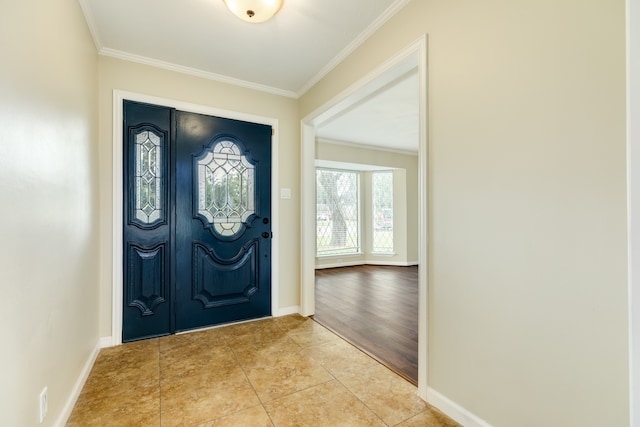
266	235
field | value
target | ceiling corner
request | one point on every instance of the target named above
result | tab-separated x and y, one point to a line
394	8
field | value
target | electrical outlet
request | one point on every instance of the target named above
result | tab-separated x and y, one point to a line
44	404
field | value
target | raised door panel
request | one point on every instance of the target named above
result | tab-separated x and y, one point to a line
223	224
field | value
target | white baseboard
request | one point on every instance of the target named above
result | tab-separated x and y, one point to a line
454	411
366	262
393	263
285	311
77	387
340	264
105	342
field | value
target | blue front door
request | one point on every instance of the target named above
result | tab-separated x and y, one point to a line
197	221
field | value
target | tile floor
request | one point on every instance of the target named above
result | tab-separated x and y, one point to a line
286	371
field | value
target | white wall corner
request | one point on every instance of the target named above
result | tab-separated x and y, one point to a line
79	384
454	410
633	205
105	342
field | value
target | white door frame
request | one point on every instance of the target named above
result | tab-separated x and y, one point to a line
307	220
117	283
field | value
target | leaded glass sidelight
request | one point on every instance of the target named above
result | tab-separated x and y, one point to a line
225	188
148	177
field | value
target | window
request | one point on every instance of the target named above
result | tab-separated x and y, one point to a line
382	189
337	212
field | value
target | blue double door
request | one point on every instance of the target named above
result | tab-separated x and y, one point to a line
196	221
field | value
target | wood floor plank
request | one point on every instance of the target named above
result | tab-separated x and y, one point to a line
375	308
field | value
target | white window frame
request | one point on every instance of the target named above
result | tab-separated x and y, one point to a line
373	213
358	250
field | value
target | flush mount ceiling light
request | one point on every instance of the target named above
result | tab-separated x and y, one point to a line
254	10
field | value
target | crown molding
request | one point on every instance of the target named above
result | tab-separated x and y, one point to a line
351	47
366	146
195	72
91	23
93	29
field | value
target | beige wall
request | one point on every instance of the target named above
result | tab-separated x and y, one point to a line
527	250
49	216
405	201
116	74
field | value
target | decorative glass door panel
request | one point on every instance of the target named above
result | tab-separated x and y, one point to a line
148	199
223	224
225	193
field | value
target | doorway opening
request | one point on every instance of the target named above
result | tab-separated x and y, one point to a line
375	308
366	287
413	56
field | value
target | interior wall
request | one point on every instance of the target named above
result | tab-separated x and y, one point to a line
527	244
633	187
116	74
49	217
405	208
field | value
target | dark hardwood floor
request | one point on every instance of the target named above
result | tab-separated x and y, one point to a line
376	309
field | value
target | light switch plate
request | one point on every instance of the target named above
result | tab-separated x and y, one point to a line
285	193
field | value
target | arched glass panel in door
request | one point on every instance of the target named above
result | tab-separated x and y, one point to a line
225	194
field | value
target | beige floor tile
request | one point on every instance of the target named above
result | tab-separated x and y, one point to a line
196	399
131	349
193	357
392	398
252	417
256	336
328	404
304	374
313	335
195	363
123	371
259	337
126	358
341	358
294	323
286	374
429	418
205	338
250	355
109	380
255	328
139	406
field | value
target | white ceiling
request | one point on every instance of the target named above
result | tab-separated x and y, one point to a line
285	55
387	117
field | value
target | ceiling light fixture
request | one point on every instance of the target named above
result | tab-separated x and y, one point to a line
254	11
